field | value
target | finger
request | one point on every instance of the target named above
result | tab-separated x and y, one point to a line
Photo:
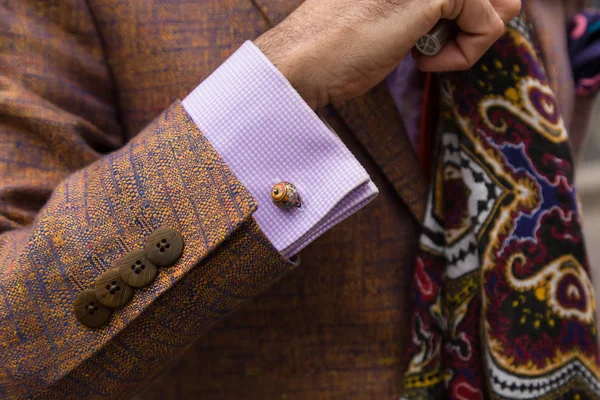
480	26
507	9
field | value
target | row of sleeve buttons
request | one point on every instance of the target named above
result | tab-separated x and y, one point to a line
138	268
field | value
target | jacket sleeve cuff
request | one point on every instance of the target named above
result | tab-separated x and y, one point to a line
266	133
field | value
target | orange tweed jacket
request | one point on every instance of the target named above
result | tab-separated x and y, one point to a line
82	182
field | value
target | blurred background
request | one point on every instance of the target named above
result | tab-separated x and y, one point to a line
588	184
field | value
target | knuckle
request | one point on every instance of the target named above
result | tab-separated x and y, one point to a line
463	66
514	8
497	27
465	63
470	62
509	9
451	9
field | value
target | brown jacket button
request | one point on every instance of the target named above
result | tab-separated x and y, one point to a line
111	290
164	246
136	270
89	311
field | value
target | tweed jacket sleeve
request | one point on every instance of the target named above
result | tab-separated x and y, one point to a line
74	200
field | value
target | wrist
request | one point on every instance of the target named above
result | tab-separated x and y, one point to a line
293	59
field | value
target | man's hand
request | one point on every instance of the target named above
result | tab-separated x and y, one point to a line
334	50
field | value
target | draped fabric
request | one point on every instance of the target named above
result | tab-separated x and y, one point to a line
503	303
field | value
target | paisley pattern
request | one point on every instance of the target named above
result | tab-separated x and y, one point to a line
504	306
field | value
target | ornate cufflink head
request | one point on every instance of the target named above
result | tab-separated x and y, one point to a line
285	195
431	43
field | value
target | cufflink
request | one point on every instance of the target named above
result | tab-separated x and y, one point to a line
285	195
432	42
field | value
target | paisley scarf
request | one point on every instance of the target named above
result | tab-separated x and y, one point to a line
503	303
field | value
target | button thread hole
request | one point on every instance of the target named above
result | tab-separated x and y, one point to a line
113	287
91	308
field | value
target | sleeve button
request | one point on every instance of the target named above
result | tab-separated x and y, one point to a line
89	311
136	270
111	290
164	247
